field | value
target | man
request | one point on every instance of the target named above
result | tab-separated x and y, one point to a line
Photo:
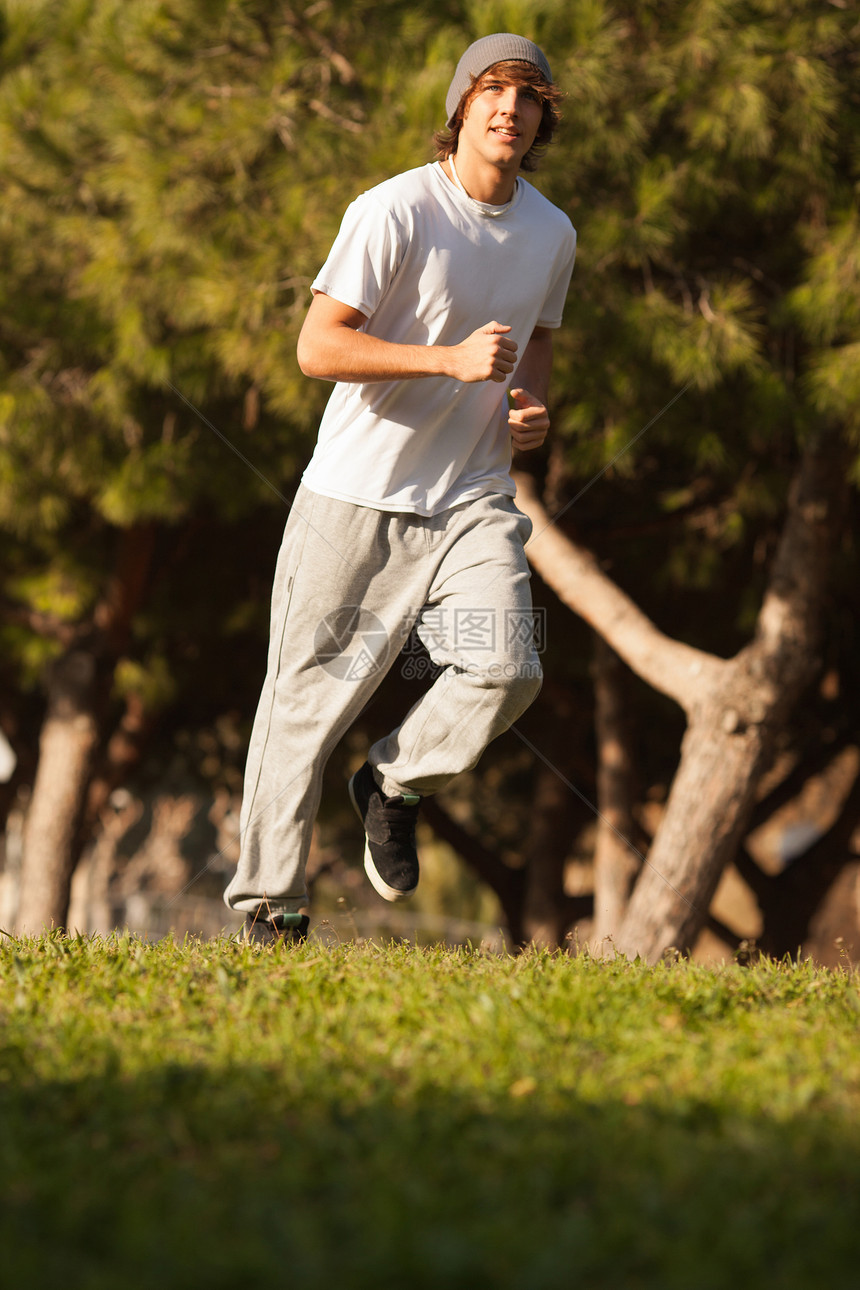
440	292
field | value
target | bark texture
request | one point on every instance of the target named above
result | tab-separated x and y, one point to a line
735	708
78	689
67	744
548	912
617	858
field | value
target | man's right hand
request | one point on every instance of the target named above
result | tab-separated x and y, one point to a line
487	355
334	346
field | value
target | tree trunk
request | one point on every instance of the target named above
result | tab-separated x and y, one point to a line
547	912
507	883
735	708
617	860
66	746
78	687
706	818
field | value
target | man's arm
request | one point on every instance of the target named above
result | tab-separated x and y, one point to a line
333	349
529	420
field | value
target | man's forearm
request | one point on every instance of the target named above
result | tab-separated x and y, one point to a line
334	347
341	353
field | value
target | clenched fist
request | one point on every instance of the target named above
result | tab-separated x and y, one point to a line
487	355
528	421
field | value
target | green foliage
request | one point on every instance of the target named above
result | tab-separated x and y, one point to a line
708	160
827	308
165	213
389	1116
151	680
173	172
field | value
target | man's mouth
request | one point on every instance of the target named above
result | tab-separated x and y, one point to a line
506	132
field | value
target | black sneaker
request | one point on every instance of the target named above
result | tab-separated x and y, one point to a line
279	929
390	858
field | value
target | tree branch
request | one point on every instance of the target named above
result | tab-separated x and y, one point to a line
812	763
724	933
671	667
507	883
759	882
797	892
788	623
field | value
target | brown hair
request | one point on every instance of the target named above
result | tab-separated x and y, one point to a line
511	72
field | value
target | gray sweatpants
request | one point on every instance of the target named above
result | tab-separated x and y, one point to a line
350	584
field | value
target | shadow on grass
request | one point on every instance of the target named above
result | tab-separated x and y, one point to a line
183	1178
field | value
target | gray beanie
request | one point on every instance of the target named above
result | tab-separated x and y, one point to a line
486	51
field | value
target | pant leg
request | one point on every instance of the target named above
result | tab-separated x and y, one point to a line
349	583
478	625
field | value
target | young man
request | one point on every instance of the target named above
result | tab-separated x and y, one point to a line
440	292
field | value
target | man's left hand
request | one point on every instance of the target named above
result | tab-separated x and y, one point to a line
528	421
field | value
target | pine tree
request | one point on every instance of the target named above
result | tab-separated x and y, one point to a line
712	174
168	172
173	174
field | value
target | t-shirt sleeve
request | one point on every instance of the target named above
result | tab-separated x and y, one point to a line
364	257
553	305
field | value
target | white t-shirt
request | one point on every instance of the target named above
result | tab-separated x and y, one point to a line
428	265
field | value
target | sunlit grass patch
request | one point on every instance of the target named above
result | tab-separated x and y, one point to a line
178	1113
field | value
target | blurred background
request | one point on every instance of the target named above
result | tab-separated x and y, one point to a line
173	173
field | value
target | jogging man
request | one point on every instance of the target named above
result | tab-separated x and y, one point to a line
439	296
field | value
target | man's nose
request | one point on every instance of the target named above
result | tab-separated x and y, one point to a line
510	101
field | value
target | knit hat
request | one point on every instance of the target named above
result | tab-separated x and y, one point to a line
482	54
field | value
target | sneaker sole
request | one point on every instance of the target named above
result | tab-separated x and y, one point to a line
376	880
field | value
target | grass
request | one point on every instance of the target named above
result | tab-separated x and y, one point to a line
211	1114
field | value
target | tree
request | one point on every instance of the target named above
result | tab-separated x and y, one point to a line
173	175
710	356
706	268
162	216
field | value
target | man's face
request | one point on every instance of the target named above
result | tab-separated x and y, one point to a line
501	121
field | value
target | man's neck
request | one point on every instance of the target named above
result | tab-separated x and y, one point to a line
483	182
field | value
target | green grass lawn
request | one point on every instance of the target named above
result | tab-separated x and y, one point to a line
209	1114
